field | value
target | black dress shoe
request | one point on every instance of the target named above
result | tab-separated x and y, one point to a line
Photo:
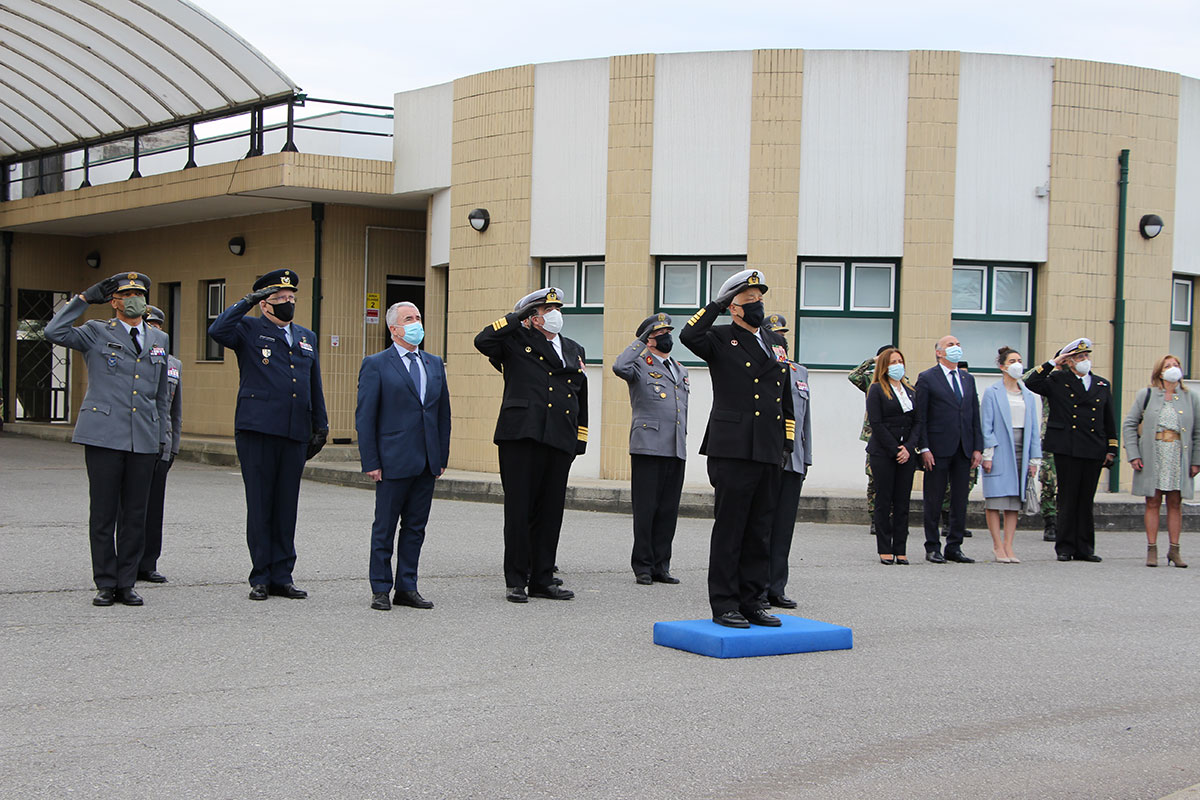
731	619
380	602
902	560
759	616
258	591
152	576
781	601
1064	557
960	557
643	579
967	534
289	590
1092	557
551	592
104	597
557	581
411	599
936	558
516	594
129	597
665	577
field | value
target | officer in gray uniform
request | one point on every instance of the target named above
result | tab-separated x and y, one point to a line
658	392
148	569
795	467
122	424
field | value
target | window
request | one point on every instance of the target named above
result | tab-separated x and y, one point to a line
582	283
1181	322
846	309
991	306
214	299
687	284
170	293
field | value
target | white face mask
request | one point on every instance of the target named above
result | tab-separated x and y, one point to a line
1172	374
552	321
1015	370
1084	367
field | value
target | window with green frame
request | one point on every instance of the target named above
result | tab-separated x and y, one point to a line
582	284
845	310
685	284
1181	321
992	306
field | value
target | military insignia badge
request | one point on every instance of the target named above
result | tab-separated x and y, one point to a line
780	353
656	375
172	372
802	386
285	280
132	276
305	346
112	360
649	360
528	349
753	279
551	296
733	342
266	351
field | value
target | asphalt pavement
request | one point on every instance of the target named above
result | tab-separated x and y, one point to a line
1039	680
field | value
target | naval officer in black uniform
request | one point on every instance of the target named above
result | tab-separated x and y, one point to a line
280	422
1081	432
541	428
750	428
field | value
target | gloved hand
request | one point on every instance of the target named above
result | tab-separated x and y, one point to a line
101	292
260	294
316	443
527	311
726	297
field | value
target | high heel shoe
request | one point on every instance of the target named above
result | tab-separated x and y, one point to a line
1151	555
902	560
1173	557
887	562
999	558
1014	560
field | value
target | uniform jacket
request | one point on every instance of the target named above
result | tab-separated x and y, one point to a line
396	431
800	459
279	389
543	400
175	417
891	425
752	417
1082	421
126	404
1141	444
660	402
1006	479
947	424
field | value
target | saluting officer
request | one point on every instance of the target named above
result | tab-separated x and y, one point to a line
1081	432
122	424
541	428
795	467
148	569
280	422
750	428
658	392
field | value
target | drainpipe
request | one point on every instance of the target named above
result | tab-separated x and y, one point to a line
1118	379
318	218
6	240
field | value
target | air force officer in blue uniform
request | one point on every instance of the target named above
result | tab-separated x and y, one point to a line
403	424
280	422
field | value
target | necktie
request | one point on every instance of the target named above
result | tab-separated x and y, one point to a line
954	382
287	333
415	373
670	368
137	346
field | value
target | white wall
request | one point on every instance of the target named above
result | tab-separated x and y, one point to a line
1185	227
700	186
570	158
423	135
1003	155
588	464
439	228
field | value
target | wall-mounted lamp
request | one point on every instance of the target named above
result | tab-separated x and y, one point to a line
237	245
479	219
1150	226
93	259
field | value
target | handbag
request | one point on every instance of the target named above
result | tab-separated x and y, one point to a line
1033	497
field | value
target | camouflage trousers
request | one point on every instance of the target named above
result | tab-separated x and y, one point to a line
1048	478
870	490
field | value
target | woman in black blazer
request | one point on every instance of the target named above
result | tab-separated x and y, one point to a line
892	450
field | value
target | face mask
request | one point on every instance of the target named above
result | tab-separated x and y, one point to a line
135	306
954	354
663	342
552	321
1015	370
896	371
1172	374
283	311
1084	367
414	333
753	313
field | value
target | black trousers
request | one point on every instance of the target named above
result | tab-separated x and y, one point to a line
955	470
893	491
739	551
1077	479
783	526
407	501
119	486
154	516
656	485
271	470
534	477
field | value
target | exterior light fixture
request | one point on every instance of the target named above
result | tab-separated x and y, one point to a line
479	219
93	259
237	245
1150	226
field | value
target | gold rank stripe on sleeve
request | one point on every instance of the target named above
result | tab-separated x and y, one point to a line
1112	442
583	433
696	317
500	323
789	428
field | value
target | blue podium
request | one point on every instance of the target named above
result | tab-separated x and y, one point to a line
796	635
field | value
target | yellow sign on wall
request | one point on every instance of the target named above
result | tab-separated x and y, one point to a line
372	308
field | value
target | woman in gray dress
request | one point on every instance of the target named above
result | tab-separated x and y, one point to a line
1162	441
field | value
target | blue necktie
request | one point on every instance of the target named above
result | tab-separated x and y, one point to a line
415	373
954	382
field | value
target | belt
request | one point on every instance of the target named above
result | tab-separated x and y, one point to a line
1167	435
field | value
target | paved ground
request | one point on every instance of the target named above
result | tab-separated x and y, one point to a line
989	680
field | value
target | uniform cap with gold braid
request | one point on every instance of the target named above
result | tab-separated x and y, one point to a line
654	323
746	279
1080	345
777	323
279	279
546	296
132	280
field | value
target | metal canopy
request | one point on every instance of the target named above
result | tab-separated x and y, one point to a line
74	71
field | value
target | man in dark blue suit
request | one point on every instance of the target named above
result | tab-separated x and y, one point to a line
280	422
403	423
951	446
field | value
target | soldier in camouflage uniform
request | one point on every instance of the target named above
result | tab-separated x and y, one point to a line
861	376
1048	478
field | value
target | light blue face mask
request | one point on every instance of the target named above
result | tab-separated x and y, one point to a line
896	371
954	354
414	333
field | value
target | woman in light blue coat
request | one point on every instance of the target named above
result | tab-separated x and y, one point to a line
1012	451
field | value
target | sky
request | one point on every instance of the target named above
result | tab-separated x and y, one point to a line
366	50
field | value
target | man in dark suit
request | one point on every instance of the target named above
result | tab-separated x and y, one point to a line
542	426
951	446
750	427
280	422
403	424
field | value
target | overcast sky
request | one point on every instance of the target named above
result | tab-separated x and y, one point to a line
366	50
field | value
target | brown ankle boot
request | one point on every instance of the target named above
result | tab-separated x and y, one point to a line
1151	555
1173	557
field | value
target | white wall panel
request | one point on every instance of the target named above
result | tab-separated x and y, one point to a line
1003	155
1185	227
853	135
439	228
701	179
423	135
570	158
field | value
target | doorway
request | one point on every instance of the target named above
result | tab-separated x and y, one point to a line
400	290
43	368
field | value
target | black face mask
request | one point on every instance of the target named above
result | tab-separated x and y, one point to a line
663	342
283	311
753	313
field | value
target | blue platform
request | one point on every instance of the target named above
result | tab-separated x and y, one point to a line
796	635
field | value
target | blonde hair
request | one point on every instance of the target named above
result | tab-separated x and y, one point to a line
1156	378
882	362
